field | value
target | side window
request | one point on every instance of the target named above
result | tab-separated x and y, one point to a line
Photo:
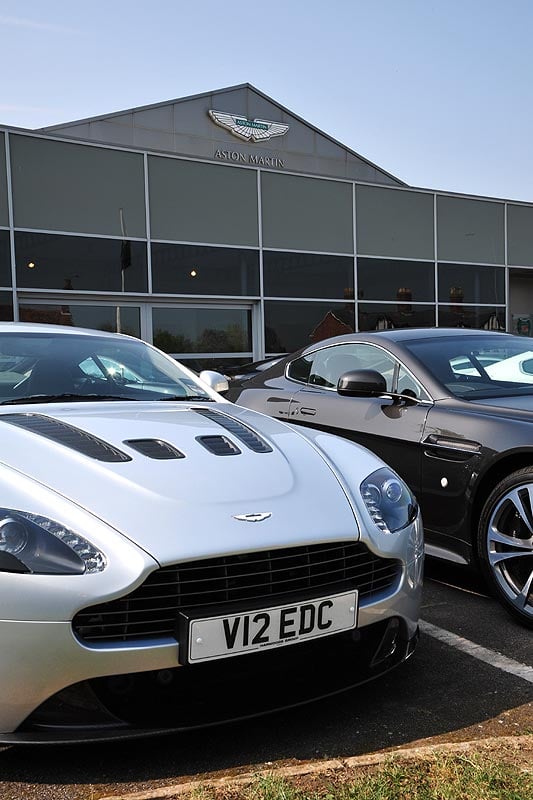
300	369
407	385
332	362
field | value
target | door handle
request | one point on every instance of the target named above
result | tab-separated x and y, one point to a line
310	412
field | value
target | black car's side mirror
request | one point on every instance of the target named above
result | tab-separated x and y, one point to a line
362	383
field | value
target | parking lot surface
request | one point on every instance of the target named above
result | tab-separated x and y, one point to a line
471	677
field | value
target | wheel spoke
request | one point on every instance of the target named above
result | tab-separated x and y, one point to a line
511	541
515	499
522	598
496	558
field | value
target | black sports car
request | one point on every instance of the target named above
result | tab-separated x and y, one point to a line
451	410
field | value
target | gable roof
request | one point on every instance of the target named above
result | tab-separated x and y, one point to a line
182	126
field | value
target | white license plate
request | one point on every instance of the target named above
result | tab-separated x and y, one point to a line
221	637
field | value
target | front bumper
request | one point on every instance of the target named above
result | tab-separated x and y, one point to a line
177	699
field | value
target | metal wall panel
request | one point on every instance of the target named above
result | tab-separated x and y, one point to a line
306	214
520	235
59	186
470	230
4	216
194	202
394	223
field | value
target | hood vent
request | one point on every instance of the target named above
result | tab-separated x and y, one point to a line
154	448
67	435
241	431
219	445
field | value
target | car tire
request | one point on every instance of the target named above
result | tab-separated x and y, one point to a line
505	543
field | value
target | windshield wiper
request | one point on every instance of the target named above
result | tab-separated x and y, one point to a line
58	398
186	398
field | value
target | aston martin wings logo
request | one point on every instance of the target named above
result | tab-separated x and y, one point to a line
259	517
258	130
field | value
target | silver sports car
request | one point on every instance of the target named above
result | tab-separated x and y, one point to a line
169	560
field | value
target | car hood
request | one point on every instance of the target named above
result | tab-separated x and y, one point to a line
181	508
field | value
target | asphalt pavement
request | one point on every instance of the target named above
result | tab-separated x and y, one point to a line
448	691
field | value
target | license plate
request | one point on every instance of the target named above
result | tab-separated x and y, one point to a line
225	636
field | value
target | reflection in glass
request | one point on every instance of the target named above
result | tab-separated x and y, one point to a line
490	319
202	330
471	284
101	318
6	306
194	269
385	279
291	325
5	259
385	316
48	261
307	275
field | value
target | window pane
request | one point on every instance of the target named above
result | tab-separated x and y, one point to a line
6	306
492	319
394	223
45	261
5	259
307	275
123	319
383	316
306	213
300	369
202	330
470	230
216	363
459	283
191	269
289	325
520	235
71	187
193	202
4	216
380	279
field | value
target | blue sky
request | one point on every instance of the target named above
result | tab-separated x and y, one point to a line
438	92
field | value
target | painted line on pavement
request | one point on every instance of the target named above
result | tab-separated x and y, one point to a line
477	651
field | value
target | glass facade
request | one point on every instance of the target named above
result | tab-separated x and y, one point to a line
193	269
116	319
223	264
5	259
385	279
48	261
307	275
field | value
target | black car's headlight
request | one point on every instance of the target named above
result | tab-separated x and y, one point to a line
388	500
31	543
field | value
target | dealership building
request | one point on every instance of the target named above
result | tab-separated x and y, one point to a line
225	228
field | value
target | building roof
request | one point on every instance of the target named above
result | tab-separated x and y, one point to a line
183	126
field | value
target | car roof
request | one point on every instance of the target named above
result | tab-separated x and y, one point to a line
401	335
64	330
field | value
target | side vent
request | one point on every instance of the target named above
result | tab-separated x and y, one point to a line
154	448
67	435
219	445
241	431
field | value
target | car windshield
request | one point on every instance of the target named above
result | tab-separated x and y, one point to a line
473	367
42	367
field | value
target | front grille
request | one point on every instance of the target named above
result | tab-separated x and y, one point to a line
256	580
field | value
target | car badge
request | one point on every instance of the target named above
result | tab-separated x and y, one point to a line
253	517
257	130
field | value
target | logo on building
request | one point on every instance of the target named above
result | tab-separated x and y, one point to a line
255	130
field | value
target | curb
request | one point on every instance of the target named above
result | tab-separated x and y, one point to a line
331	765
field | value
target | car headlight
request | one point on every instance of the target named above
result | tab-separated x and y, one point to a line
388	500
30	543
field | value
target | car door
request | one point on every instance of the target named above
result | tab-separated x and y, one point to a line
391	429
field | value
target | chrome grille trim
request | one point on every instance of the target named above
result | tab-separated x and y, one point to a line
263	578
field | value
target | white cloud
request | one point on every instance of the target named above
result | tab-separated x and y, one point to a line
32	24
